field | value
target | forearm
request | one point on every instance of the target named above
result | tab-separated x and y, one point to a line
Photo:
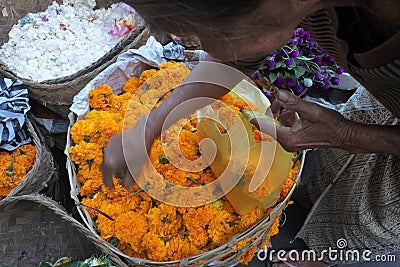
368	138
206	83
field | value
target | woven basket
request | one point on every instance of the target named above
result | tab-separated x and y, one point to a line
43	170
57	94
34	228
255	235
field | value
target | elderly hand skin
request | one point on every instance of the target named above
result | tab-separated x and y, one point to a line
323	127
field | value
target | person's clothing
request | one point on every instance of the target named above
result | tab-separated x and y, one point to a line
363	206
370	56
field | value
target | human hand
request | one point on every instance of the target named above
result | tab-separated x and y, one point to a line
134	143
317	126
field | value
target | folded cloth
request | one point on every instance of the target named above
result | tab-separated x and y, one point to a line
14	104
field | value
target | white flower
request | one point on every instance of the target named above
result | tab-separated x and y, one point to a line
307	82
43	50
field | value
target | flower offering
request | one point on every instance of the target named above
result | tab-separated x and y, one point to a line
63	39
137	224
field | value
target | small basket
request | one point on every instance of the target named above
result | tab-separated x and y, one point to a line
34	228
57	94
43	170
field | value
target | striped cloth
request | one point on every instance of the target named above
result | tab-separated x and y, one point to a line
382	81
14	104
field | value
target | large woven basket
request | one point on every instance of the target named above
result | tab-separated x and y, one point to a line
254	236
57	94
43	170
34	228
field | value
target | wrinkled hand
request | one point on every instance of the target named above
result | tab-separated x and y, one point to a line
125	154
317	126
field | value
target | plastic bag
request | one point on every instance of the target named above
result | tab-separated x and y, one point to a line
261	166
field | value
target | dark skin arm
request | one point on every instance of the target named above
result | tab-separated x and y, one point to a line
322	127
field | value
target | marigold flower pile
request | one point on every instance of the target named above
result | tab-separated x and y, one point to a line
137	224
14	166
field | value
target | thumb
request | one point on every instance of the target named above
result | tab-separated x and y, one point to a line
292	102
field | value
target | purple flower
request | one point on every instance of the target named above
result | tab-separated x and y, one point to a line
300	32
254	75
298	89
335	80
271	62
294	34
311	42
268	94
290	82
45	19
289	61
300	41
325	76
266	72
326	86
317	60
317	75
328	58
295	53
278	82
306	51
339	70
302	63
293	41
307	35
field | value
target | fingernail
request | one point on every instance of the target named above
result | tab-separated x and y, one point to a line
283	96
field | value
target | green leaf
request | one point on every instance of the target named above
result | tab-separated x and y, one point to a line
272	77
167	239
145	87
190	178
299	72
303	58
163	160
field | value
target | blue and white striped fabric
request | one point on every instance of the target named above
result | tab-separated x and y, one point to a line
14	104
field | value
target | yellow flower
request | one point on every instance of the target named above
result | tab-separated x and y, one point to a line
131	85
146	75
101	97
130	228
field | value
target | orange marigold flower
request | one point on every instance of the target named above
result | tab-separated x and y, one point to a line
155	247
130	228
101	97
167	64
131	85
146	75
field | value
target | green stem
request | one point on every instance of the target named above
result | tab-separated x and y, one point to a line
10	171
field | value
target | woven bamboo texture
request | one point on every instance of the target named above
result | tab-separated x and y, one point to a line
57	94
34	228
43	170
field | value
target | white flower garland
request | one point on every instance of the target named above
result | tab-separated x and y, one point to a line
60	41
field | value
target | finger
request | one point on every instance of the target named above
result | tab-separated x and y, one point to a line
128	180
288	118
107	175
291	102
265	126
275	106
